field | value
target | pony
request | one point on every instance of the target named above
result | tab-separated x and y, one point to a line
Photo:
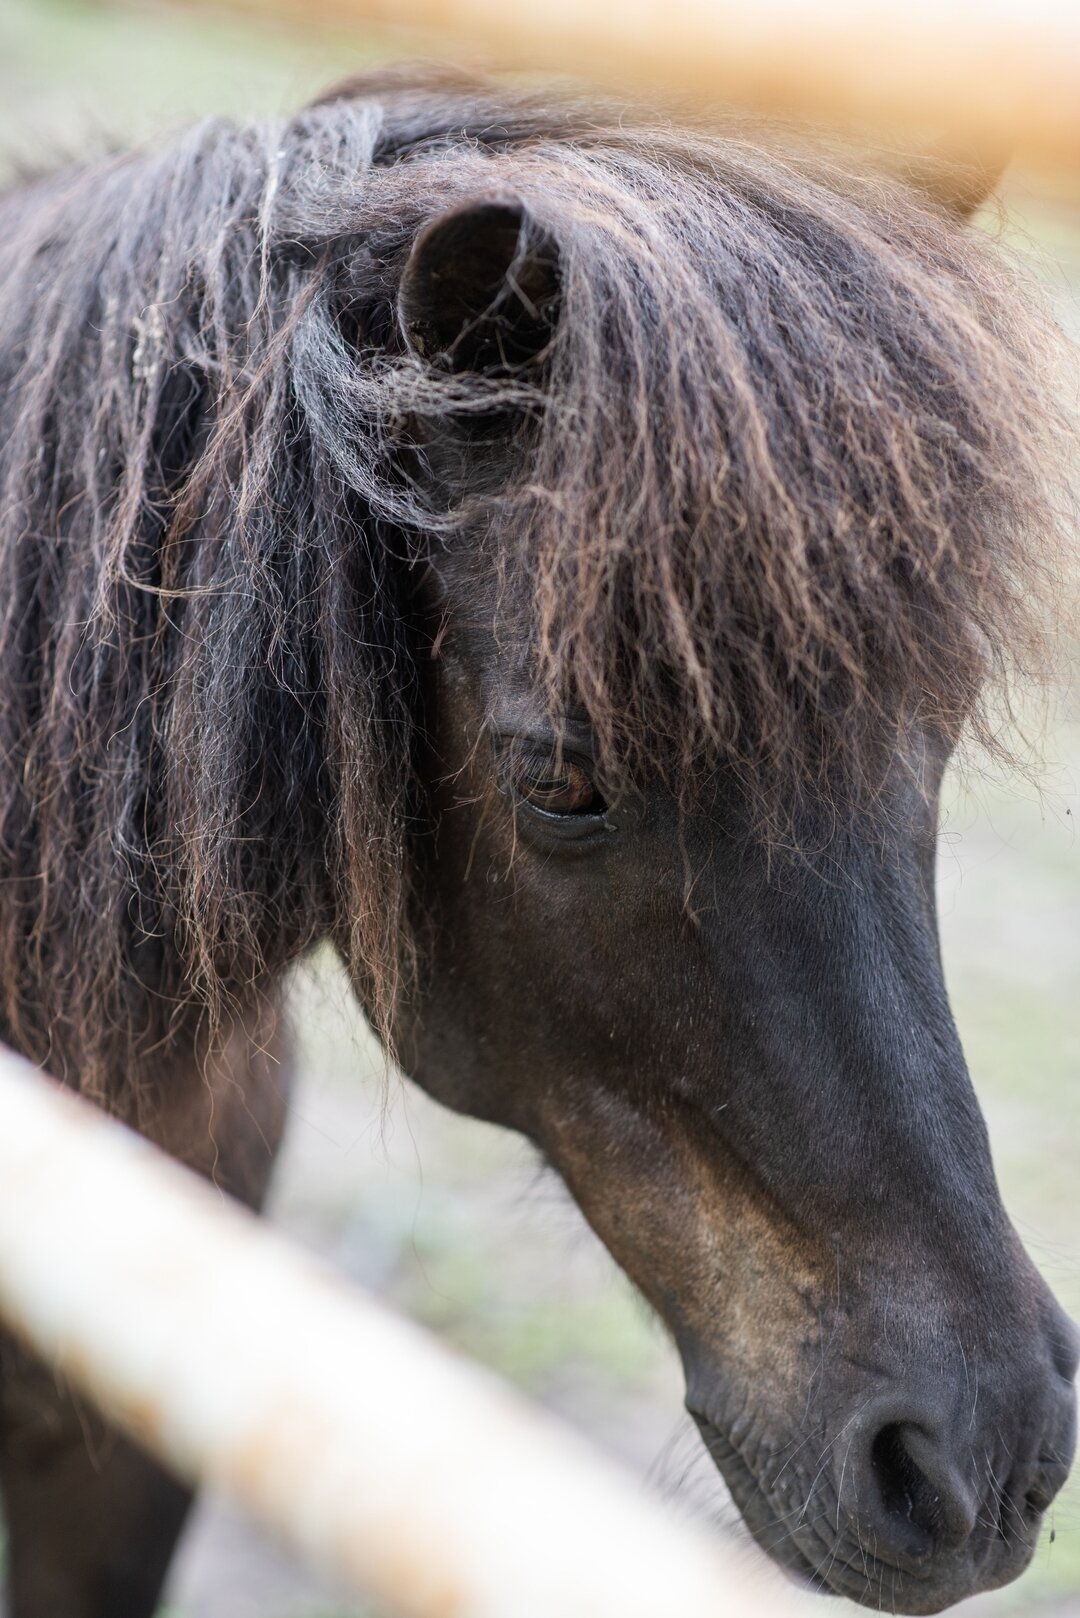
547	548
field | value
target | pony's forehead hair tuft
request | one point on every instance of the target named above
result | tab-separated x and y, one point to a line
800	476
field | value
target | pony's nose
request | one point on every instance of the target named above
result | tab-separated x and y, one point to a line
920	1499
911	1483
906	1481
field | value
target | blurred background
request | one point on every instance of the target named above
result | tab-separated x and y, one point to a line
452	1221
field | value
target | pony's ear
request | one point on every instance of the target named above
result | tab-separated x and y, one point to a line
957	181
480	290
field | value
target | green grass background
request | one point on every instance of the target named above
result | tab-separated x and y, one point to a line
448	1219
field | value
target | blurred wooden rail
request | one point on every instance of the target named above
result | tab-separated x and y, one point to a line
992	74
355	1437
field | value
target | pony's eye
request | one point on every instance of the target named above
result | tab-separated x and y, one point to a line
556	786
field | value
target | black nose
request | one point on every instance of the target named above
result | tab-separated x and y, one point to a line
918	1483
920	1497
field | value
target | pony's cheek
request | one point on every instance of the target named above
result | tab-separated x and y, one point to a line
738	1285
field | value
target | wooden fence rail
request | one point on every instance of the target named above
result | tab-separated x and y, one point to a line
360	1441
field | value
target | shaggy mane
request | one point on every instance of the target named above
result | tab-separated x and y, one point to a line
791	482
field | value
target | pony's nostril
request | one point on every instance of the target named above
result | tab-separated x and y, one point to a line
903	1487
920	1490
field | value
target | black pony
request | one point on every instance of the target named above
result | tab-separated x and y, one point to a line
551	551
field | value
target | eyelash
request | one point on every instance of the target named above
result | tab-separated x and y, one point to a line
556	786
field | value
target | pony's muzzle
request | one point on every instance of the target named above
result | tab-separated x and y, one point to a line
923	1482
943	1498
